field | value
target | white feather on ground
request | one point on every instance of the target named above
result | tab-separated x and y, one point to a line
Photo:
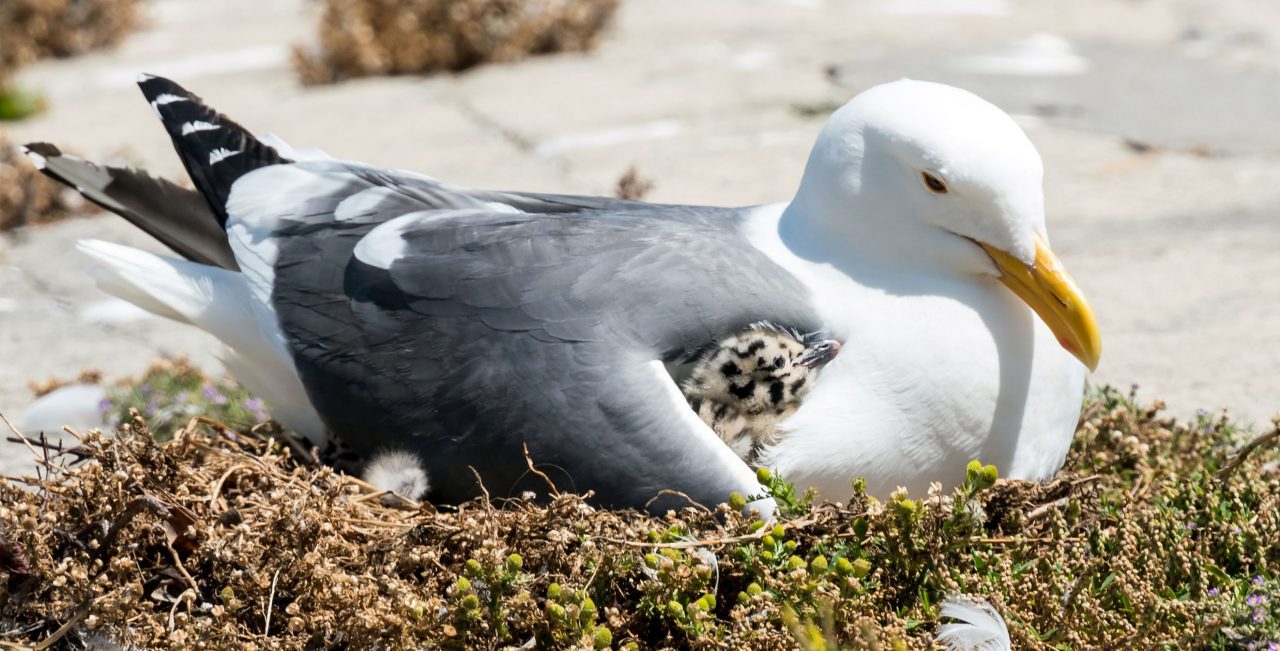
75	405
979	626
398	472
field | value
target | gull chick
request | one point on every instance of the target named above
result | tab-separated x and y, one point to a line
398	472
750	381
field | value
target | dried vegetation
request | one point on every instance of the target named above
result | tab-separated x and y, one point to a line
36	29
1156	534
360	38
26	196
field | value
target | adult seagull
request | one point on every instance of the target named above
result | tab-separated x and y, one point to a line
407	315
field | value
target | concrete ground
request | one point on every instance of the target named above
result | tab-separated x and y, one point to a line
1156	119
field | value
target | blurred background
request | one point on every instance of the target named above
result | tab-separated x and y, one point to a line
1157	121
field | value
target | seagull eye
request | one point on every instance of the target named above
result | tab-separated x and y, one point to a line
933	183
779	361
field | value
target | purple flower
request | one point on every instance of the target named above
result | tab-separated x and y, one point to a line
182	397
1213	592
256	407
152	407
104	405
212	394
1256	599
1259	616
1202	412
1258	580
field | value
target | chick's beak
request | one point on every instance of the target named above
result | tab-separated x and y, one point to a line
1046	287
818	354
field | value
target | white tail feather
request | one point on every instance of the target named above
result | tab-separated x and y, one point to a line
980	627
219	302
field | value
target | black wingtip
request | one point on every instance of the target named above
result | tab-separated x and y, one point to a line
153	86
39	153
215	150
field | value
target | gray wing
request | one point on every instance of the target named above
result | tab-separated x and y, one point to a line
463	325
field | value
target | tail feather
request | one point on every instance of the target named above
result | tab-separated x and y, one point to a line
215	300
179	218
215	150
219	302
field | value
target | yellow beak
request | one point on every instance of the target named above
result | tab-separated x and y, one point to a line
1050	292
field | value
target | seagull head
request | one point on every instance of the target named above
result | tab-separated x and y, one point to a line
921	176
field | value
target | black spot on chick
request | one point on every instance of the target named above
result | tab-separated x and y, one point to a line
720	410
795	388
751	349
729	369
776	391
743	392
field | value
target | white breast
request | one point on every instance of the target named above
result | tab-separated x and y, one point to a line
933	372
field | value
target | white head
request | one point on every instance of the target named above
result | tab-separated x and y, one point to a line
927	177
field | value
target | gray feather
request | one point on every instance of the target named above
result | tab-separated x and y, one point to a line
179	218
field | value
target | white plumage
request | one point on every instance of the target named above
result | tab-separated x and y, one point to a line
219	302
398	472
942	363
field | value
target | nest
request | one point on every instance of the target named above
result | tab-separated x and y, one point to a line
361	38
26	196
35	29
1157	533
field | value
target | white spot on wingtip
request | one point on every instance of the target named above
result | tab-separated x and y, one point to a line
36	159
197	125
144	77
220	154
166	98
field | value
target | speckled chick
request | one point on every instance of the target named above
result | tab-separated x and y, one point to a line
749	382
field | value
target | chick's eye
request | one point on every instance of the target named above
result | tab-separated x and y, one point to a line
779	361
934	184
